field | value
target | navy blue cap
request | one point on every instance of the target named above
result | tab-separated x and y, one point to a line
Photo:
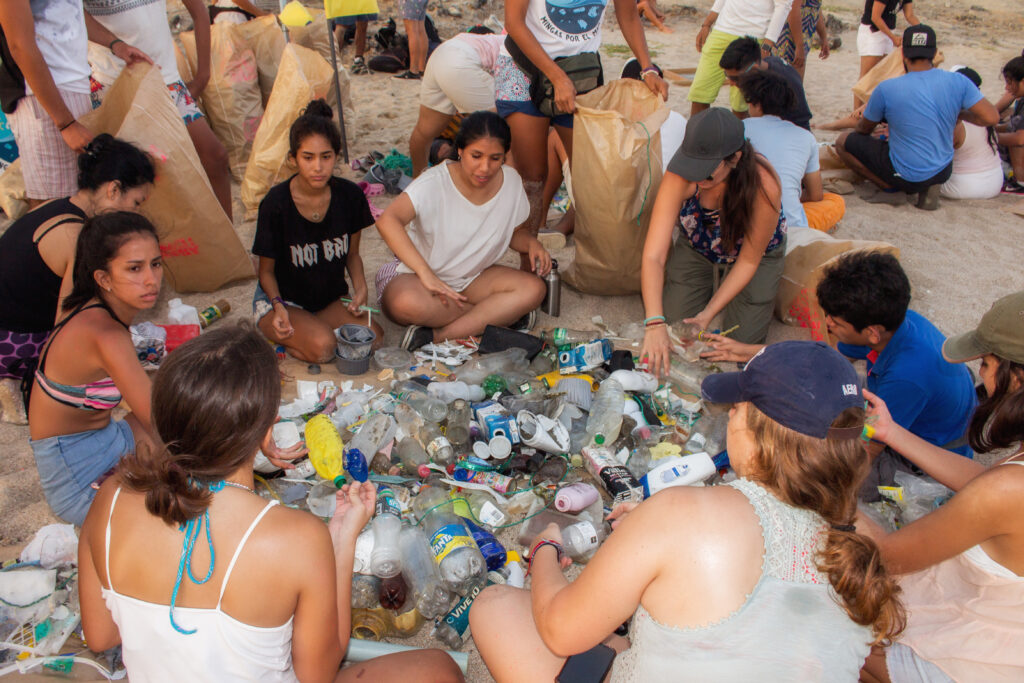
801	385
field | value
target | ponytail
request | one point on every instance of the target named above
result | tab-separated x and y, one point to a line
742	186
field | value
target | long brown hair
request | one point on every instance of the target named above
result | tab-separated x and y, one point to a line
998	421
823	475
742	186
214	399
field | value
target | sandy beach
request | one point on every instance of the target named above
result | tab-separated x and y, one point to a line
959	258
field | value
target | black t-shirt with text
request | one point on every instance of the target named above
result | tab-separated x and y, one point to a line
310	258
888	14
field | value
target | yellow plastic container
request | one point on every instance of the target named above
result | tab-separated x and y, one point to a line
551	379
325	449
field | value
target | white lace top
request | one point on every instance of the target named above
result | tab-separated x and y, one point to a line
791	627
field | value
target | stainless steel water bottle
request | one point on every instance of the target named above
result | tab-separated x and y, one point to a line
553	298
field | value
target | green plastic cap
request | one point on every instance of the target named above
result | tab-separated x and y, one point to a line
339	481
599	439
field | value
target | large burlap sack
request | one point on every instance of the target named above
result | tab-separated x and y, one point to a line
302	76
315	35
200	248
12	191
232	99
265	38
616	171
796	302
891	66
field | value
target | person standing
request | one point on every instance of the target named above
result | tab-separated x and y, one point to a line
875	37
794	43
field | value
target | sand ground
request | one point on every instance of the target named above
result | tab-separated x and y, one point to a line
959	258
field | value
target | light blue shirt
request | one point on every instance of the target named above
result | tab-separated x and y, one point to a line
793	152
921	108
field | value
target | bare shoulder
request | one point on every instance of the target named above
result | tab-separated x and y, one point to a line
291	538
708	508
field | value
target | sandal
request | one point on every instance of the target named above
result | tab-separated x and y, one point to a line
371	189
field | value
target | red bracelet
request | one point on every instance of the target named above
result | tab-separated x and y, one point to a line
540	544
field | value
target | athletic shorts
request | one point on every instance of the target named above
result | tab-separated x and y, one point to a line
873	43
455	80
414	10
49	166
70	463
874	154
512	93
188	110
709	77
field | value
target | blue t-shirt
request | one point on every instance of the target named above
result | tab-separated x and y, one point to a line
926	395
793	152
921	108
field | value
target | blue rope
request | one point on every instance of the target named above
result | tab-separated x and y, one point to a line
192	529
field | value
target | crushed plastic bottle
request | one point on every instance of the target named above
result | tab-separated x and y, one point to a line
412	455
450	391
600	462
386	559
492	550
380	623
564	336
605	418
708	435
365	591
431	409
422	575
435	443
454	549
454	628
325	449
374	435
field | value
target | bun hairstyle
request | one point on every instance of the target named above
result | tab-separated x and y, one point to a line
109	159
316	119
214	399
824	475
101	237
479	125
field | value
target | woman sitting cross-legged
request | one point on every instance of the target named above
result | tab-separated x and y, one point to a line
448	231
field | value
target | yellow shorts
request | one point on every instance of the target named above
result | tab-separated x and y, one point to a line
709	77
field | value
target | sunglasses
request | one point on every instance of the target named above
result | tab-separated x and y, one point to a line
733	79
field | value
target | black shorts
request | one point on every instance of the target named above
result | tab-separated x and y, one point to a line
874	154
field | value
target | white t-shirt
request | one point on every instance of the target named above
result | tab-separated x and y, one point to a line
757	18
486	46
62	40
141	24
565	27
457	238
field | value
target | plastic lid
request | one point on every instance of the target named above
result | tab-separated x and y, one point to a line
500	447
599	439
423	471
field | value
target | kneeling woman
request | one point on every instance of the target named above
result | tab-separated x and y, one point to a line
89	363
307	236
462	216
775	585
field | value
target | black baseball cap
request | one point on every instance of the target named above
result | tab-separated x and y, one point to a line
919	42
801	385
711	136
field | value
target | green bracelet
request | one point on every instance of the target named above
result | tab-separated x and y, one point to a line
114	42
653	318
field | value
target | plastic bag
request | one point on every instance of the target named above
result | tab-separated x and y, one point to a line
266	40
232	99
616	171
314	35
200	248
303	76
921	495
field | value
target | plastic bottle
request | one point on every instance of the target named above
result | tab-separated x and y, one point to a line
411	454
422	575
453	629
487	509
639	462
708	435
635	380
365	591
380	623
393	592
408	419
436	444
386	559
564	336
498	482
575	497
617	480
179	313
431	409
687	470
325	449
454	549
449	391
213	313
510	360
356	467
605	417
373	435
457	430
552	304
490	548
580	541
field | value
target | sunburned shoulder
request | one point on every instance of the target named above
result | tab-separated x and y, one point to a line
707	508
291	532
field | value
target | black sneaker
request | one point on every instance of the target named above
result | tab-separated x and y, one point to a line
526	323
1011	186
359	67
416	336
408	76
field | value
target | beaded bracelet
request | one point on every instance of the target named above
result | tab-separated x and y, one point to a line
114	42
653	318
540	544
650	70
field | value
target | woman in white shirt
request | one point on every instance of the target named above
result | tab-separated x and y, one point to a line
448	231
977	170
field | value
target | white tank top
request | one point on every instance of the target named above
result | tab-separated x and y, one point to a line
221	649
790	628
975	155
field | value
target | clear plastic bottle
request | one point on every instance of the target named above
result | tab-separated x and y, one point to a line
492	550
386	559
454	627
393	592
487	509
408	420
606	412
459	415
454	549
430	409
373	435
438	448
708	435
365	591
422	575
411	454
563	336
449	391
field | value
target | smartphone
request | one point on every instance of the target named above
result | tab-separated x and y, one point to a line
587	667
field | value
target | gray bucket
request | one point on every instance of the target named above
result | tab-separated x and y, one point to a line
353	354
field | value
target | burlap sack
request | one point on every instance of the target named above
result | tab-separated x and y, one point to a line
232	99
12	191
302	76
891	66
796	302
200	248
265	38
616	171
315	35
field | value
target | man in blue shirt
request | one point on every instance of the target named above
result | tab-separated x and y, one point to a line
865	297
922	108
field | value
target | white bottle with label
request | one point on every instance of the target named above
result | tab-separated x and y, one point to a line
179	313
687	470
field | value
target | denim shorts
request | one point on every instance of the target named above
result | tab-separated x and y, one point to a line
70	463
261	304
512	93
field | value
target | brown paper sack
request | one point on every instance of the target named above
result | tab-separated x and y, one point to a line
232	99
200	248
264	37
891	66
12	191
302	76
616	171
796	302
315	35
